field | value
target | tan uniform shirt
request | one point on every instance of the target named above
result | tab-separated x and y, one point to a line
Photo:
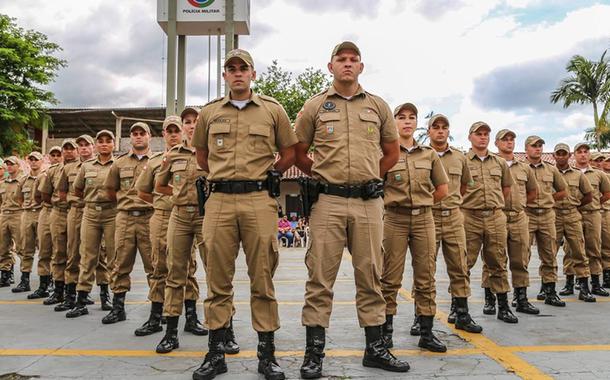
524	181
578	186
346	134
122	178
241	143
549	181
50	185
456	167
606	205
90	180
600	184
182	170
38	184
27	189
66	183
146	182
414	178
10	194
489	176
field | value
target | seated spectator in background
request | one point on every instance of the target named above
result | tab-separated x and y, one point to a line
285	230
294	222
299	231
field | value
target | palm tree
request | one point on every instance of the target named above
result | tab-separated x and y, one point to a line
589	83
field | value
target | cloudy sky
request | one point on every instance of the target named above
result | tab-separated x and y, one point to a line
491	60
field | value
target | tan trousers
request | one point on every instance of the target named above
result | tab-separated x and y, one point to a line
606	239
451	238
252	219
486	233
45	242
334	222
542	228
59	234
158	237
402	230
568	224
592	227
10	233
29	228
96	224
131	235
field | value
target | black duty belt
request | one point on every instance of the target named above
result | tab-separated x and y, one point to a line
345	191
238	187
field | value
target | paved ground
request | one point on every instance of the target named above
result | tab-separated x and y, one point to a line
569	343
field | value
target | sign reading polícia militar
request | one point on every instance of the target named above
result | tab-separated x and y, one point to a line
205	17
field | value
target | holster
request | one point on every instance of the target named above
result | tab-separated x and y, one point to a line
202	193
310	190
274	179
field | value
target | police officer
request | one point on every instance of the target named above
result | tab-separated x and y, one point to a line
235	139
484	220
29	220
348	128
189	121
568	223
524	189
449	223
606	230
591	214
45	243
411	187
10	222
541	215
98	220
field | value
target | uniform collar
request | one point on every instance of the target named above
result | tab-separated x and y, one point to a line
538	165
471	155
133	154
183	147
332	91
110	161
413	148
568	169
254	98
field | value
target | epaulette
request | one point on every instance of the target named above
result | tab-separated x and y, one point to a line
268	98
91	159
156	154
120	155
321	93
548	163
423	146
213	101
55	164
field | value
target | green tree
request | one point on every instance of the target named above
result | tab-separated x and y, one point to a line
589	82
27	64
290	91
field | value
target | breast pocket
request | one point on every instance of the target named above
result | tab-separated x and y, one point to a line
574	185
371	123
496	176
90	178
329	126
178	170
547	181
126	176
259	136
397	173
220	137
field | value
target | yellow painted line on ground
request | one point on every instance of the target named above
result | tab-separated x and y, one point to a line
560	348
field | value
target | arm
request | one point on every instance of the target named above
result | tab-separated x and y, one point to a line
586	199
287	159
202	159
604	197
506	192
112	183
531	195
146	197
302	160
162	181
440	192
391	152
46	197
559	195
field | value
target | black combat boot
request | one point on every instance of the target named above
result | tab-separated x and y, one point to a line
57	296
314	352
214	361
231	347
80	308
376	355
69	299
105	297
192	324
463	320
541	296
90	300
568	289
117	314
265	351
5	279
452	311
388	330
490	302
415	327
504	313
551	295
584	293
523	304
170	340
153	324
606	283
596	287
427	339
24	284
43	288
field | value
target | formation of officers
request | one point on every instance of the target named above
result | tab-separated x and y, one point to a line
377	190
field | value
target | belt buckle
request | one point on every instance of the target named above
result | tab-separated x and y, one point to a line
445	212
415	211
238	187
98	208
486	212
136	213
190	208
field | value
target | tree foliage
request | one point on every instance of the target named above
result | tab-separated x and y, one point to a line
290	91
27	65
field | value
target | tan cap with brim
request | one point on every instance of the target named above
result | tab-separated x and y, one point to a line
55	148
478	125
104	132
531	140
172	120
580	145
345	45
409	106
143	126
12	159
36	155
503	133
241	54
434	118
70	142
562	146
597	156
87	138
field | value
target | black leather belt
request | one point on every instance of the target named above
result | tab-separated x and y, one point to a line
238	187
345	191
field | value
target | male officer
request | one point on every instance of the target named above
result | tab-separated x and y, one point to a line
189	121
524	189
551	188
591	215
29	220
10	221
235	139
568	223
411	187
484	220
449	223
606	230
132	228
348	127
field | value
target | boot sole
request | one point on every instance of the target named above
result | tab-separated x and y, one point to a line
556	305
203	333
587	300
218	371
231	352
530	312
21	290
313	376
86	312
469	331
508	321
36	296
120	319
146	333
489	312
176	346
273	377
372	364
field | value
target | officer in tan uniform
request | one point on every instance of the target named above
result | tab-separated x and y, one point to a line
348	127
606	230
591	215
235	140
59	217
541	215
484	220
98	220
45	243
568	223
411	187
29	220
10	222
449	223
189	121
524	189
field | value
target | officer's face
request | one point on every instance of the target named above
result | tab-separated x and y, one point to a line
480	138
85	150
598	163
104	145
346	66
34	163
239	75
534	151
506	144
172	136
406	122
561	158
438	132
582	156
140	139
11	168
188	125
68	152
606	166
54	157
